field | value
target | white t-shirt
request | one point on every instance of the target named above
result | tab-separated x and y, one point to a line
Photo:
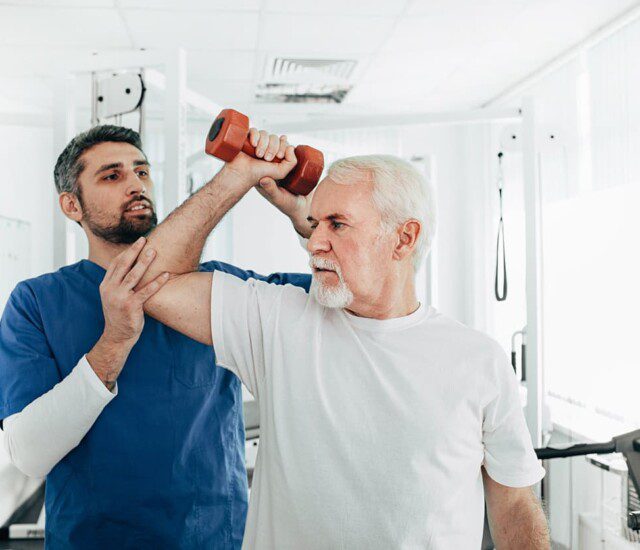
372	433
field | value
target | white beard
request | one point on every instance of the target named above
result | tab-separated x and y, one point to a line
337	296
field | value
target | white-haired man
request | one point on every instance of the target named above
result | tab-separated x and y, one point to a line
382	420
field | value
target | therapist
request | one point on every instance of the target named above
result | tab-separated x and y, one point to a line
141	445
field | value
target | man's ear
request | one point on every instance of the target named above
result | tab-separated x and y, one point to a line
408	234
70	205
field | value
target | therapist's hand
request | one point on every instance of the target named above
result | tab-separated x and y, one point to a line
123	310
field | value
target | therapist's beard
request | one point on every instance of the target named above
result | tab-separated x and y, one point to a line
126	231
332	296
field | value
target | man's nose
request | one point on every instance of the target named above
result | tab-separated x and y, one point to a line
318	241
135	186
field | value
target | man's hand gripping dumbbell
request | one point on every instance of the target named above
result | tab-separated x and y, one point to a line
244	151
230	134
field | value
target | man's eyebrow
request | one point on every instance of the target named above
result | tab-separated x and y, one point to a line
330	217
111	166
106	167
333	217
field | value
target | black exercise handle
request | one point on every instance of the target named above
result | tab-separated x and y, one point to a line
501	296
577	450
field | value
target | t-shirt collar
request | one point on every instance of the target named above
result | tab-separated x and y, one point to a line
385	325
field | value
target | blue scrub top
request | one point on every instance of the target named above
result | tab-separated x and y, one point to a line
163	465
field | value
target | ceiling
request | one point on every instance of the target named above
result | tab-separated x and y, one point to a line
432	55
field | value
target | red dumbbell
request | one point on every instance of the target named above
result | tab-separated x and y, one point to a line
229	134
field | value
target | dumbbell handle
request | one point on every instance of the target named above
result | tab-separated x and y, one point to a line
250	150
229	134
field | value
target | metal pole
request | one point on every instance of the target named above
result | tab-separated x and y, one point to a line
346	122
175	123
142	127
94	99
63	131
532	200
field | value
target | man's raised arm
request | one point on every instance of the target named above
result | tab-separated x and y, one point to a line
184	303
180	238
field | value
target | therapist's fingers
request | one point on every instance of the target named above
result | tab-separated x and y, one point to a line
151	288
134	276
122	263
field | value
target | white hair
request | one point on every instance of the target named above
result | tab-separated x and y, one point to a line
400	193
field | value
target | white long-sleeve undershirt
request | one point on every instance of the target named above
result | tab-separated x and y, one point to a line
40	435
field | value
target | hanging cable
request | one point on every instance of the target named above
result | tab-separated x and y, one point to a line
500	296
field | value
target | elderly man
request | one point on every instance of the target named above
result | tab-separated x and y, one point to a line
384	424
140	439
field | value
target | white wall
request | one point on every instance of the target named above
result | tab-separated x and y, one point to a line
460	158
26	193
587	105
26	186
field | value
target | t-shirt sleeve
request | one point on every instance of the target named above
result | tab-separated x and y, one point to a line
509	457
302	280
27	366
244	322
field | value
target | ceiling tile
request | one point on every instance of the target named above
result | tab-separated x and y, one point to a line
182	5
60	3
408	89
439	52
449	30
414	66
337	7
62	26
193	30
224	92
461	8
217	65
322	35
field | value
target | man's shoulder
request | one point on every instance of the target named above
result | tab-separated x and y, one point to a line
47	284
215	265
300	280
286	301
463	337
51	279
263	285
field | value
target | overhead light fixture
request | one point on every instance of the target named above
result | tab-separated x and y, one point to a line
304	80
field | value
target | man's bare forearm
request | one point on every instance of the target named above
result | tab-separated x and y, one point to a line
515	516
524	527
181	237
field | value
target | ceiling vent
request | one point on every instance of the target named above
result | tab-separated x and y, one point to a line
291	80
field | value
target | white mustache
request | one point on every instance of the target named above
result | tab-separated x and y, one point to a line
322	263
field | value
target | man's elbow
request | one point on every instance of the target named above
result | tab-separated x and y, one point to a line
165	263
184	304
162	298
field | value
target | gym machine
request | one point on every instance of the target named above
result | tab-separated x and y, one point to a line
627	444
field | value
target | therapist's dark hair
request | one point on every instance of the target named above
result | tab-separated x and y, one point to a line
69	165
